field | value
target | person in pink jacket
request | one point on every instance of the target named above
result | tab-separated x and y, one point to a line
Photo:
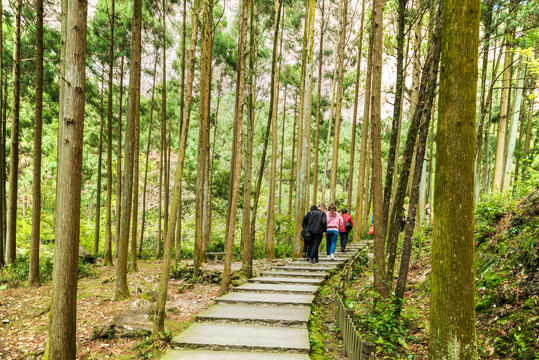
335	222
344	231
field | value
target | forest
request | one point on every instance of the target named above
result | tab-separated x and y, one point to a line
140	140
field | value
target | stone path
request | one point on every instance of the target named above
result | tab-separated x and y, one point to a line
268	315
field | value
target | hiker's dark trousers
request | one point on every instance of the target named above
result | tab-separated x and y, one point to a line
317	239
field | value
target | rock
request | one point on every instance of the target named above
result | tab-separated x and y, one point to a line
135	321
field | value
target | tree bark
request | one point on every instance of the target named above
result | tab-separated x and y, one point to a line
122	290
246	238
143	223
33	273
2	153
364	137
159	320
354	121
293	157
203	134
318	97
452	311
426	114
529	127
108	216
408	164
11	236
119	161
272	116
340	76
282	154
497	183
401	13
99	167
511	140
235	164
62	332
305	133
182	110
376	142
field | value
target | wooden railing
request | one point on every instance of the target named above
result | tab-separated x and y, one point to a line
354	346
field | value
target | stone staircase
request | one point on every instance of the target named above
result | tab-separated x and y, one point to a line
268	315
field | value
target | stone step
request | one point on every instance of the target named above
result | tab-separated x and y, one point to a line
229	355
266	299
286	280
239	337
262	315
301	274
302	263
310	268
277	288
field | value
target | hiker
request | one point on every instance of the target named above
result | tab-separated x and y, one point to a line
403	220
315	222
334	223
345	229
306	234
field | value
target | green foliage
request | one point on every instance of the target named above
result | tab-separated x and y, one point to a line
16	273
376	317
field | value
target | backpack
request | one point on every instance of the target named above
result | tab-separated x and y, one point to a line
347	224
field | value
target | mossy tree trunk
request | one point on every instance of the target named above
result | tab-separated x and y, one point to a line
11	236
108	214
33	277
159	320
246	239
122	290
452	310
62	342
376	143
235	164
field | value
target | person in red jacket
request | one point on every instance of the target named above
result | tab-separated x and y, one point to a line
347	225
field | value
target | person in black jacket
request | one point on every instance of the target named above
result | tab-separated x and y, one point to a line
307	241
316	223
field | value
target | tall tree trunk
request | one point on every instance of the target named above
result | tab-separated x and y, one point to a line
282	154
108	216
328	141
318	105
11	238
293	157
235	164
305	133
122	290
340	76
364	137
272	116
62	342
159	320
354	121
529	126
401	13
452	311
511	140
497	183
203	138
166	144
368	187
482	101
2	153
134	223
426	114
407	163
143	223
182	107
246	239
119	160
99	167
33	276
376	142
